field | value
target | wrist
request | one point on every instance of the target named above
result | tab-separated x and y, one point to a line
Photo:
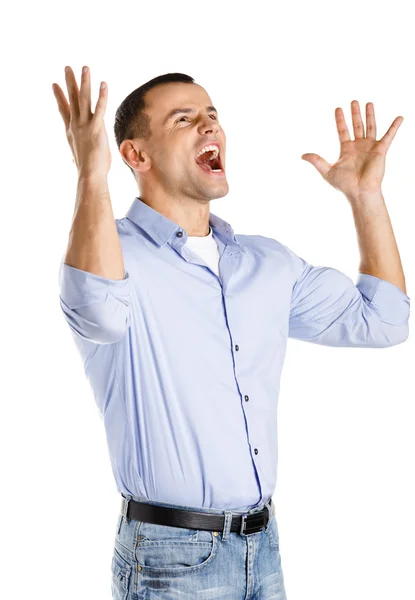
85	175
366	197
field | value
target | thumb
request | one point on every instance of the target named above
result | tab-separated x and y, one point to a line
322	166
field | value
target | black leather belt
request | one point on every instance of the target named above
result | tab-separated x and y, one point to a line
245	524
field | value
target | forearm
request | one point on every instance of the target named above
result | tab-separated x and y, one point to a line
379	254
94	243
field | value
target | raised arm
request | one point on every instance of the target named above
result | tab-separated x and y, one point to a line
94	287
326	306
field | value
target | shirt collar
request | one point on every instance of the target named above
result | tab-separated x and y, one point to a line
161	229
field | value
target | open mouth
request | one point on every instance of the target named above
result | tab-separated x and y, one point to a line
210	160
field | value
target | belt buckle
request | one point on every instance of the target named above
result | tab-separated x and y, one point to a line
246	529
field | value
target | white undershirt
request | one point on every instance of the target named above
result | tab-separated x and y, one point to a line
205	247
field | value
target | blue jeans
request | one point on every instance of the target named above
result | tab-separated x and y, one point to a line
152	561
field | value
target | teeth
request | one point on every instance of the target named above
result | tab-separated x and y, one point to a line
208	149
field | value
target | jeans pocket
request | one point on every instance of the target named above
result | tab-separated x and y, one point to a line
170	550
121	575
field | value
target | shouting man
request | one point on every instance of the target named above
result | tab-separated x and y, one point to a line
182	326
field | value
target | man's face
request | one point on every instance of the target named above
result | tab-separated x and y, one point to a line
176	139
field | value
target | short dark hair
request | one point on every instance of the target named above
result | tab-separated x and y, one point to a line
130	119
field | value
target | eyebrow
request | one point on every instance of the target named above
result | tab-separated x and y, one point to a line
176	111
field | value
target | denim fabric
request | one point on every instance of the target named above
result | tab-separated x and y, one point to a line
174	563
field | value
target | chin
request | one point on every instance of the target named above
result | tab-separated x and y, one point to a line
218	191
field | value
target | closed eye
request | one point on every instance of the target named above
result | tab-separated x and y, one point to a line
214	117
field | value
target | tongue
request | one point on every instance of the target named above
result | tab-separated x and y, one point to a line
205	166
204	160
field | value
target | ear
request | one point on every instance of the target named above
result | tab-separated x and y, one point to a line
134	156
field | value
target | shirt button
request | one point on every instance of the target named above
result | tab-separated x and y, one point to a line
256	450
236	347
246	398
179	234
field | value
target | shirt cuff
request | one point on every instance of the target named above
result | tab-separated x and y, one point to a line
390	302
79	287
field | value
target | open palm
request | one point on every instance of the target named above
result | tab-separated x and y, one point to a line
361	164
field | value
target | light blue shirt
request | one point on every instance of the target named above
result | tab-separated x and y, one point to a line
185	364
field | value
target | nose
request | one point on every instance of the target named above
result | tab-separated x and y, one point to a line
207	125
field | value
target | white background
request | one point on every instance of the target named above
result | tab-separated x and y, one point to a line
276	73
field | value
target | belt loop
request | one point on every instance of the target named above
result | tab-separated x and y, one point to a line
270	507
120	518
227	525
124	507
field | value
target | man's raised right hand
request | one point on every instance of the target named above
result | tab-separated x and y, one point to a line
85	130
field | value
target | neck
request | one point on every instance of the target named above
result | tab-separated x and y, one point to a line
191	215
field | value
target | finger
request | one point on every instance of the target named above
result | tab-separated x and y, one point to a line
63	105
102	101
85	95
358	128
73	91
342	130
386	141
322	166
370	121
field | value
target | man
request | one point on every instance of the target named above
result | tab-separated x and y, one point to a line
182	327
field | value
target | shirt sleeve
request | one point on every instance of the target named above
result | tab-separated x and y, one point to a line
328	308
95	308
